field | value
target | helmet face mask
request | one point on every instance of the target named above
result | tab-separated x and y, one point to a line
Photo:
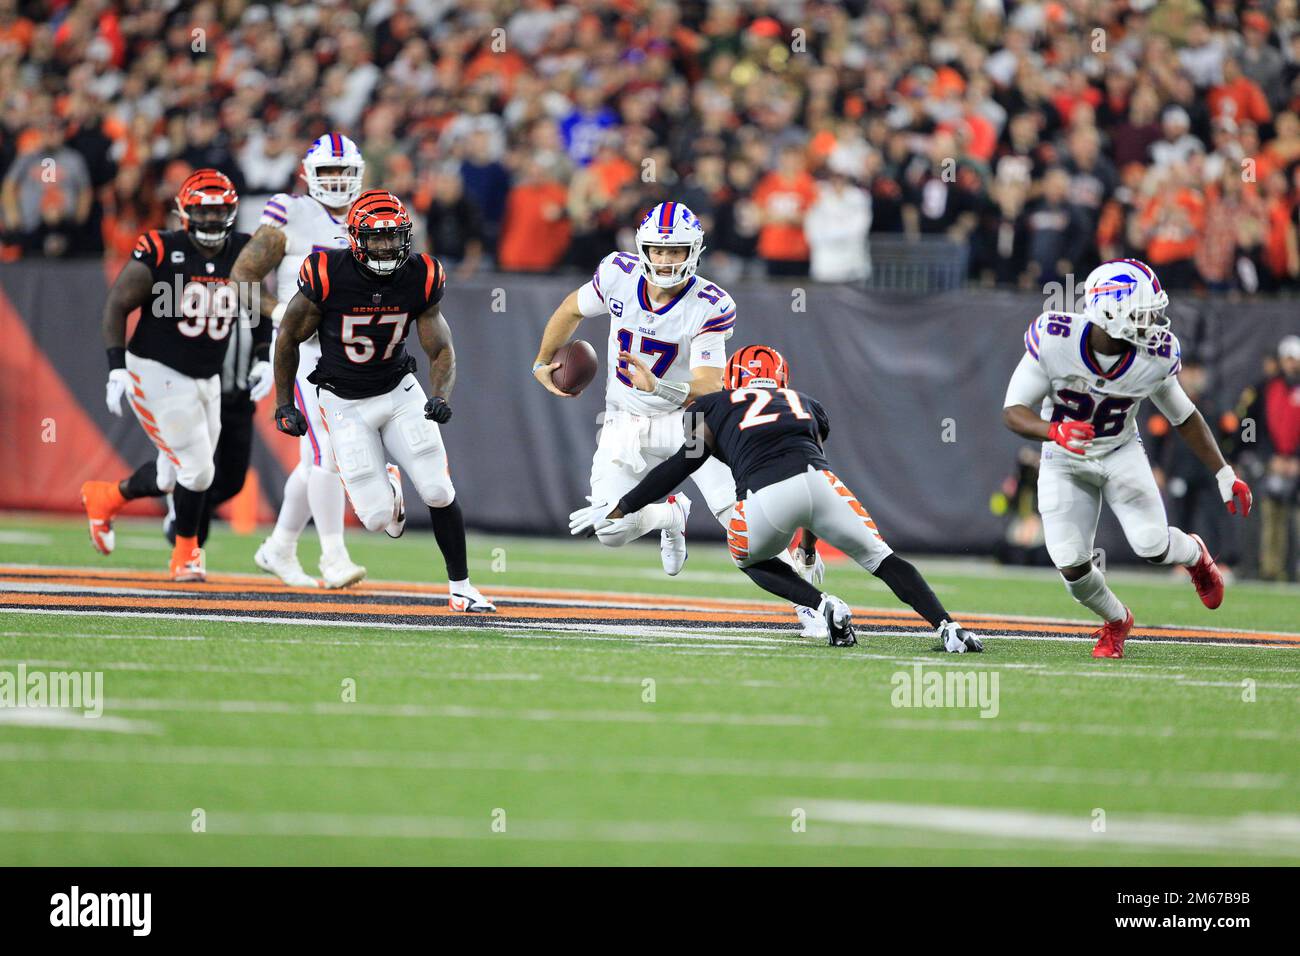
756	366
670	225
208	204
1125	298
333	169
379	230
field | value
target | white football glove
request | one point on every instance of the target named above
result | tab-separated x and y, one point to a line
119	383
813	573
260	380
595	518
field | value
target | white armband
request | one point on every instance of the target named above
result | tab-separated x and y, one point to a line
675	392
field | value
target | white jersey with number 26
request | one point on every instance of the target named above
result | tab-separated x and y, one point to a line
690	330
1102	389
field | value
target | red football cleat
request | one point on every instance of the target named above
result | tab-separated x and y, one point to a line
102	500
187	562
1110	637
1206	576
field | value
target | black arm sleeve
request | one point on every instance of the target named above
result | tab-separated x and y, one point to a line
664	477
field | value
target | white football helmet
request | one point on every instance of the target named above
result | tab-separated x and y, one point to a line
1125	298
669	224
334	190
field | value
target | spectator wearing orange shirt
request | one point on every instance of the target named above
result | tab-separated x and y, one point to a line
535	233
1238	97
783	198
1171	223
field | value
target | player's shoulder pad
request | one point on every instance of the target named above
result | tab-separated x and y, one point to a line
435	278
615	265
149	248
314	274
277	210
1052	329
720	316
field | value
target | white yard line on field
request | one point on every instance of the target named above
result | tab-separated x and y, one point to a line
59	718
302	825
1249	834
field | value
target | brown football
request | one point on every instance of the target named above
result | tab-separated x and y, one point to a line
578	366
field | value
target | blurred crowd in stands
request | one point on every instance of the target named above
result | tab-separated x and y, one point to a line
530	135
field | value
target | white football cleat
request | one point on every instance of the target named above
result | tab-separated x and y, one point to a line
395	527
814	625
283	563
466	597
957	640
672	544
340	571
839	621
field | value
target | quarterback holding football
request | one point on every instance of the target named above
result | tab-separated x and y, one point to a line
1077	389
670	325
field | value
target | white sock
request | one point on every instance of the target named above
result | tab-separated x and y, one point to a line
1091	591
1182	549
331	545
325	492
295	511
454	586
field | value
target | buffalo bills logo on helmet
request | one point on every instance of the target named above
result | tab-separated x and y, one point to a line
1118	287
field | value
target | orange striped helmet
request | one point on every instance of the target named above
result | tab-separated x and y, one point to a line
757	366
379	230
208	204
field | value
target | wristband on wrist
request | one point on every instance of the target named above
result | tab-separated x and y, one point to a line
116	358
278	312
537	365
674	392
1224	473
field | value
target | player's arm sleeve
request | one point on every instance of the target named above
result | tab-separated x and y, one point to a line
1029	384
276	212
591	295
1172	401
665	477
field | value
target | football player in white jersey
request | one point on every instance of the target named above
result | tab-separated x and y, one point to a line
1077	389
291	229
673	325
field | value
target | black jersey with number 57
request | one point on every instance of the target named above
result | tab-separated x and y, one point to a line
186	324
764	435
365	319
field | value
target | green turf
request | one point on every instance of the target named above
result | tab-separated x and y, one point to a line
246	722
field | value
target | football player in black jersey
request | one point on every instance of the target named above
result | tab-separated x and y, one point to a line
170	370
772	439
362	301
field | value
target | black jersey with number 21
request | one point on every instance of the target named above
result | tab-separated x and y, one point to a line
764	435
365	319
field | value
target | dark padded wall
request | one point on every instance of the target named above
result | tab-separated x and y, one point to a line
890	372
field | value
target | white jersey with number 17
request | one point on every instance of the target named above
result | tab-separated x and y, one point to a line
688	331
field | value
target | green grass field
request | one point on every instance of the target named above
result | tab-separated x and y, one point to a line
538	745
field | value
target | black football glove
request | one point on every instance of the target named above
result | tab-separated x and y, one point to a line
436	409
290	420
